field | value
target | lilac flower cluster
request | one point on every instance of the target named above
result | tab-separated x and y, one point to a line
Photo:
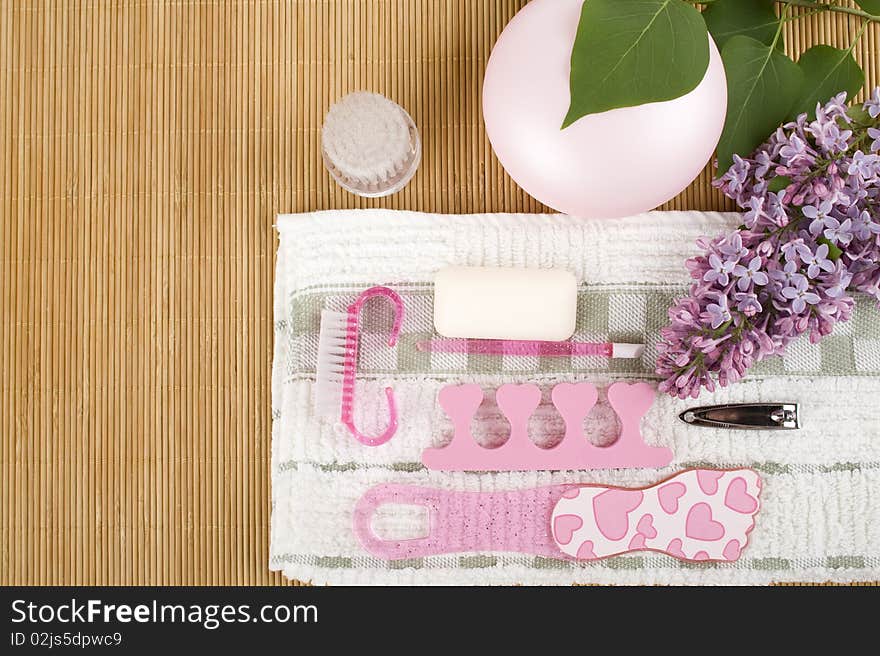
810	237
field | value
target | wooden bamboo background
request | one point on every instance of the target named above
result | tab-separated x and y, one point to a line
146	146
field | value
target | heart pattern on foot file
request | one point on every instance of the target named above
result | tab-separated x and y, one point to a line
699	515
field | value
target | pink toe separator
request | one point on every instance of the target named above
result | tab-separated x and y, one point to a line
681	516
573	401
349	370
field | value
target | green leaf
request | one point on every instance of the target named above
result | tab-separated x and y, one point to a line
762	85
834	252
754	18
635	52
827	72
778	183
859	114
871	6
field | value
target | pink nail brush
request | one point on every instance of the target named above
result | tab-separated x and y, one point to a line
337	364
698	515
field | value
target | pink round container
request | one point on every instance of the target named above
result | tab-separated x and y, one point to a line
617	163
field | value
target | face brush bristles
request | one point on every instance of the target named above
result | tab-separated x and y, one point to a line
337	364
370	145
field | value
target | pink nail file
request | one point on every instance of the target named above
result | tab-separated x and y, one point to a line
573	401
521	347
698	515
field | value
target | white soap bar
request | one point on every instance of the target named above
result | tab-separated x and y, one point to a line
500	303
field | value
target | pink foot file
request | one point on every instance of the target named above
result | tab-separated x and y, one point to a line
573	401
698	515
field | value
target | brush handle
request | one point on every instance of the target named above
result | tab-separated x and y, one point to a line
517	347
464	521
349	367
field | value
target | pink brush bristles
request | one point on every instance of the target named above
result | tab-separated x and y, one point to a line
337	364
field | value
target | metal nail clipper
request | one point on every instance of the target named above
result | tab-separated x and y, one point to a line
753	416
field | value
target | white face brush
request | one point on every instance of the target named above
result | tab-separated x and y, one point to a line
370	145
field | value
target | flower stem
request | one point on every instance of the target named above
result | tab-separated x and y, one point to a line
830	6
818	7
782	20
858	38
806	14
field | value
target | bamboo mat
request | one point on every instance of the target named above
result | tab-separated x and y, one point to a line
146	147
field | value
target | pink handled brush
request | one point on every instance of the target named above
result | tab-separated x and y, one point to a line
337	364
531	347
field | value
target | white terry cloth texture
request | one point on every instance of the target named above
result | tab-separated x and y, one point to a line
820	514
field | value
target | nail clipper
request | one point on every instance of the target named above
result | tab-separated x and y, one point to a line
750	416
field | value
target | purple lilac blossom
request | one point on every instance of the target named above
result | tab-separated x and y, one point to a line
718	312
837	232
863	165
819	216
874	133
788	275
863	226
747	303
872	105
815	261
799	294
719	270
803	250
732	247
751	274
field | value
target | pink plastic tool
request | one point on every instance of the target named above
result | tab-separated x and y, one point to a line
698	514
337	363
522	347
573	401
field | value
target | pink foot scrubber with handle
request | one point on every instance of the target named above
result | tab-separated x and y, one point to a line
573	401
697	515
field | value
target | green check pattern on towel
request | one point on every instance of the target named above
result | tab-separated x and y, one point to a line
633	314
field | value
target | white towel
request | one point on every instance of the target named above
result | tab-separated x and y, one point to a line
820	514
